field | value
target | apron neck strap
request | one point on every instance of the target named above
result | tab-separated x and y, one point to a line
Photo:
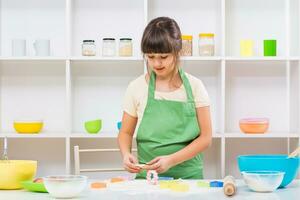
185	81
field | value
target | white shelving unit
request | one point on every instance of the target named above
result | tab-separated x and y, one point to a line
67	89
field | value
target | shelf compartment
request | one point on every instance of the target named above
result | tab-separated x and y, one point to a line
294	27
96	19
209	72
256	20
31	20
99	159
33	91
256	89
49	161
294	98
98	91
206	13
212	160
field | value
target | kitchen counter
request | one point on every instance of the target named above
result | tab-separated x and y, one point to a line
140	189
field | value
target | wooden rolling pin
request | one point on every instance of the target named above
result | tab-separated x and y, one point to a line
229	186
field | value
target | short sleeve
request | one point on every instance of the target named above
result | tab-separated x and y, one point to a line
200	95
129	102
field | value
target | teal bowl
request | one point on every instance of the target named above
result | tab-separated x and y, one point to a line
119	124
271	163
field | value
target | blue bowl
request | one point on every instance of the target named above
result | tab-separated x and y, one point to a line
271	163
119	125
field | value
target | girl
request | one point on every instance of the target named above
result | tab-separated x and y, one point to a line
169	107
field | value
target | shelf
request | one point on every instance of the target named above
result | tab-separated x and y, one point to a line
275	58
98	135
201	58
40	135
98	58
265	135
50	58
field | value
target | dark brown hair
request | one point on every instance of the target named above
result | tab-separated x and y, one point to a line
162	35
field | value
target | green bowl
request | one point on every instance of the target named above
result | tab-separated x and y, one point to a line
93	126
34	187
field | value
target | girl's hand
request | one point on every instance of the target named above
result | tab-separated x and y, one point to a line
129	163
160	164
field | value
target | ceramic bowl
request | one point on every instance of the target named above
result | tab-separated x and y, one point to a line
13	172
93	126
254	125
26	126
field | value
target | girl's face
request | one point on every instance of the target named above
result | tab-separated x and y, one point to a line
161	63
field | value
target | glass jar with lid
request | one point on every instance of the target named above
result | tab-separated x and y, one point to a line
108	47
206	44
88	48
125	47
187	45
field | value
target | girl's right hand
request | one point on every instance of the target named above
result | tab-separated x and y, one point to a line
129	162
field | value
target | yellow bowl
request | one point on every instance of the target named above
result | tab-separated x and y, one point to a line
28	126
13	172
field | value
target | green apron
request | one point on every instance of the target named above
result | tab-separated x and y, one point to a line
167	127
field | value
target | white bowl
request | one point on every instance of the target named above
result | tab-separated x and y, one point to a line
65	186
263	181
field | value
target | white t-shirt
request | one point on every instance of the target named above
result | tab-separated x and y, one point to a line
136	95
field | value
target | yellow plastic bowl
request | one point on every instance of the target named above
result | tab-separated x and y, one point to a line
28	126
13	172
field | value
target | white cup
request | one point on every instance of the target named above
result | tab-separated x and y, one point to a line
18	47
42	47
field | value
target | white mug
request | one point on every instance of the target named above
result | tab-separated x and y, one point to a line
18	47
42	47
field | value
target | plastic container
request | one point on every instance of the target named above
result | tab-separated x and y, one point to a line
271	163
13	172
254	125
206	44
246	48
270	47
187	45
26	126
125	47
88	48
263	181
65	186
108	47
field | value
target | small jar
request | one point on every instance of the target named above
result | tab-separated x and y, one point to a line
187	45
125	47
88	48
206	44
108	47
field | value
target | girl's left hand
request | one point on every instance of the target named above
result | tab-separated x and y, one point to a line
160	164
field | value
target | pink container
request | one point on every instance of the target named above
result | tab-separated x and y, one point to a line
254	125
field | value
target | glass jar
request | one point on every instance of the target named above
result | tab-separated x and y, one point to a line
88	48
125	47
108	47
206	44
187	45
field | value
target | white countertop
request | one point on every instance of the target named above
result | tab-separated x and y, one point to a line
139	189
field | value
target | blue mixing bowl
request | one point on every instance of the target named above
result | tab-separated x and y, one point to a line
271	163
